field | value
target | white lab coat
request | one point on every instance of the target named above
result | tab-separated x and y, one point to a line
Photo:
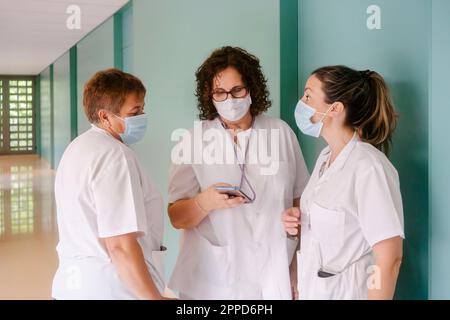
240	253
355	204
102	191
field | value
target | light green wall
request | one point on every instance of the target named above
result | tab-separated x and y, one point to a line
329	32
289	87
335	32
61	109
171	40
45	115
37	98
440	152
127	38
94	53
73	92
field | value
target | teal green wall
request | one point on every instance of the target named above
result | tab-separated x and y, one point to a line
46	133
61	108
440	152
94	53
73	93
127	38
118	39
171	40
335	32
291	37
289	86
62	120
132	40
52	117
37	98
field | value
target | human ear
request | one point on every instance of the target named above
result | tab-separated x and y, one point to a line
103	118
337	108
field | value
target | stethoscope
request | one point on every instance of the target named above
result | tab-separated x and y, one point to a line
242	165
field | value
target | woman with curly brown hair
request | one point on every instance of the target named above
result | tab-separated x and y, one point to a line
233	244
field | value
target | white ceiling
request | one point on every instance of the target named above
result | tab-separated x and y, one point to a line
33	33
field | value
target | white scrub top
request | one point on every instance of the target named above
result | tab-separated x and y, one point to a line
243	252
353	205
102	191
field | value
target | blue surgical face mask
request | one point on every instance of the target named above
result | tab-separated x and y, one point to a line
303	115
135	128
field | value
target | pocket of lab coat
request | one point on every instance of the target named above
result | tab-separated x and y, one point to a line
213	263
306	266
347	285
158	257
327	227
332	288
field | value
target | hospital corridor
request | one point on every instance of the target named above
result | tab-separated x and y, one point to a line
28	228
224	150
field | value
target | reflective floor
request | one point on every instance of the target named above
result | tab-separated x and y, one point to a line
28	231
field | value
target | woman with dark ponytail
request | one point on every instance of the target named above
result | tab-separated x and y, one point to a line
351	210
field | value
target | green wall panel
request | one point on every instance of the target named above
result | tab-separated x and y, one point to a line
440	152
335	32
37	98
163	42
45	116
127	38
289	86
73	93
94	53
61	109
171	40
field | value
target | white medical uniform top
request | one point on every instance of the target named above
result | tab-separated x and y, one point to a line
353	205
102	191
243	252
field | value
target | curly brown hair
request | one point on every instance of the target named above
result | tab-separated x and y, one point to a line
246	64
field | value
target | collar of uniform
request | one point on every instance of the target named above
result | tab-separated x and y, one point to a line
339	162
100	130
240	134
221	124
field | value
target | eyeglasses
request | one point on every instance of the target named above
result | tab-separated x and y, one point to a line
237	93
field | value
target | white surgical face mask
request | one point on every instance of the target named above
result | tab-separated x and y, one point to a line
233	109
135	128
303	115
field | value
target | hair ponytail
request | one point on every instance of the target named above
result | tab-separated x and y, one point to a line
367	100
378	128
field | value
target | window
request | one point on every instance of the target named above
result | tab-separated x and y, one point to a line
17	115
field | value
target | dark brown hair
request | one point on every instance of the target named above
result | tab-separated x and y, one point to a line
252	76
366	99
108	90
